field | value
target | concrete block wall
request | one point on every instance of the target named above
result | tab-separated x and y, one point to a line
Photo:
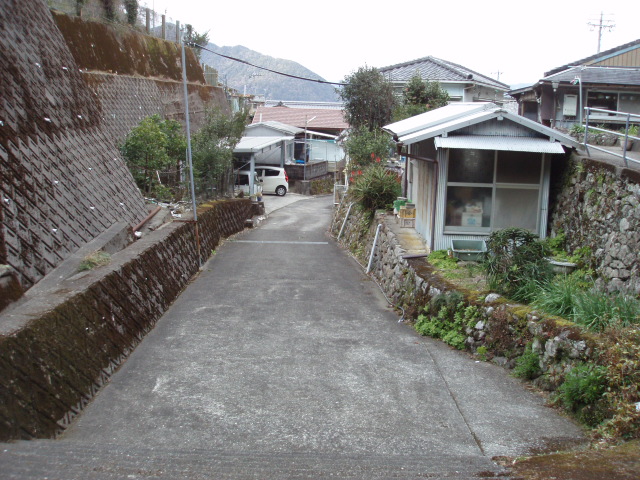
62	181
71	92
58	348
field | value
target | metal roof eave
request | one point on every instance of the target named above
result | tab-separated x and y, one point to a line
257	144
445	128
446	114
546	131
501	143
457	124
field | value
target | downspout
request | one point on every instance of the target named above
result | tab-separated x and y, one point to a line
405	180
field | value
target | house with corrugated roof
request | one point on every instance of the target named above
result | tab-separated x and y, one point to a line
316	141
277	148
461	83
473	168
609	80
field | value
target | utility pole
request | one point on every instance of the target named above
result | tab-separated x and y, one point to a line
602	24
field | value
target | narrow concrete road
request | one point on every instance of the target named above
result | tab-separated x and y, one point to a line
283	360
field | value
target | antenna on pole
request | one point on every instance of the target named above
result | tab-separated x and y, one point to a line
601	25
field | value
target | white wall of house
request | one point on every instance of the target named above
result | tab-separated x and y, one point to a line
321	150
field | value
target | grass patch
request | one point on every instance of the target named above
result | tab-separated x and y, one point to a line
95	259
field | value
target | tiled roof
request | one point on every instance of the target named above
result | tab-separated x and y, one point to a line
298	117
596	57
435	69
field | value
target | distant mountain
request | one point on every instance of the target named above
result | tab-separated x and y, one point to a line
243	77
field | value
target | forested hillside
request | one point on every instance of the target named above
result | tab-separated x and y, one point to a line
257	81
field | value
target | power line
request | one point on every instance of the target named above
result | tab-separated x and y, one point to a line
191	44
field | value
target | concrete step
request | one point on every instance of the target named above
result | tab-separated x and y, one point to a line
62	460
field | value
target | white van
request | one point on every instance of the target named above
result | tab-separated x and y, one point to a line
272	179
242	182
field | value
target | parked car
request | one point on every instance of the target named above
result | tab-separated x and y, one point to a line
242	182
272	179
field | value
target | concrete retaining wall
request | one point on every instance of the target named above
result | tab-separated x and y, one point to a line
60	345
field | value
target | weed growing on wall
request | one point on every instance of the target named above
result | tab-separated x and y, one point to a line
448	318
95	259
527	365
582	390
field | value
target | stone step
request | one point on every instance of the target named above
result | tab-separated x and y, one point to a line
61	460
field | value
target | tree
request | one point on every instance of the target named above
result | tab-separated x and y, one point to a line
368	99
420	96
366	146
191	36
131	7
212	149
154	146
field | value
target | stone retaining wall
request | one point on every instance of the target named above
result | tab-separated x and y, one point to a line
504	329
599	207
57	350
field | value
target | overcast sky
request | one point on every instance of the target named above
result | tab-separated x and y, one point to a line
521	40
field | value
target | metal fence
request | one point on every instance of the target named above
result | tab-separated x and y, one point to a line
626	139
148	20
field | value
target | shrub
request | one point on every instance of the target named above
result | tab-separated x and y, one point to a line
376	188
527	365
598	310
516	263
558	296
622	359
582	389
442	260
451	321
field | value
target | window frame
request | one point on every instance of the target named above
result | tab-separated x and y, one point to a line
495	185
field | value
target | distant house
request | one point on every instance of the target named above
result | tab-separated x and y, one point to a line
473	168
323	120
462	84
282	152
609	80
319	130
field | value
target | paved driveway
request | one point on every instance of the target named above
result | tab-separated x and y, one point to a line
282	360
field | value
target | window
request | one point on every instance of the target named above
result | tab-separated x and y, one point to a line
488	190
603	100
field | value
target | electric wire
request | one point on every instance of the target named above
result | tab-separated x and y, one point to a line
192	44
